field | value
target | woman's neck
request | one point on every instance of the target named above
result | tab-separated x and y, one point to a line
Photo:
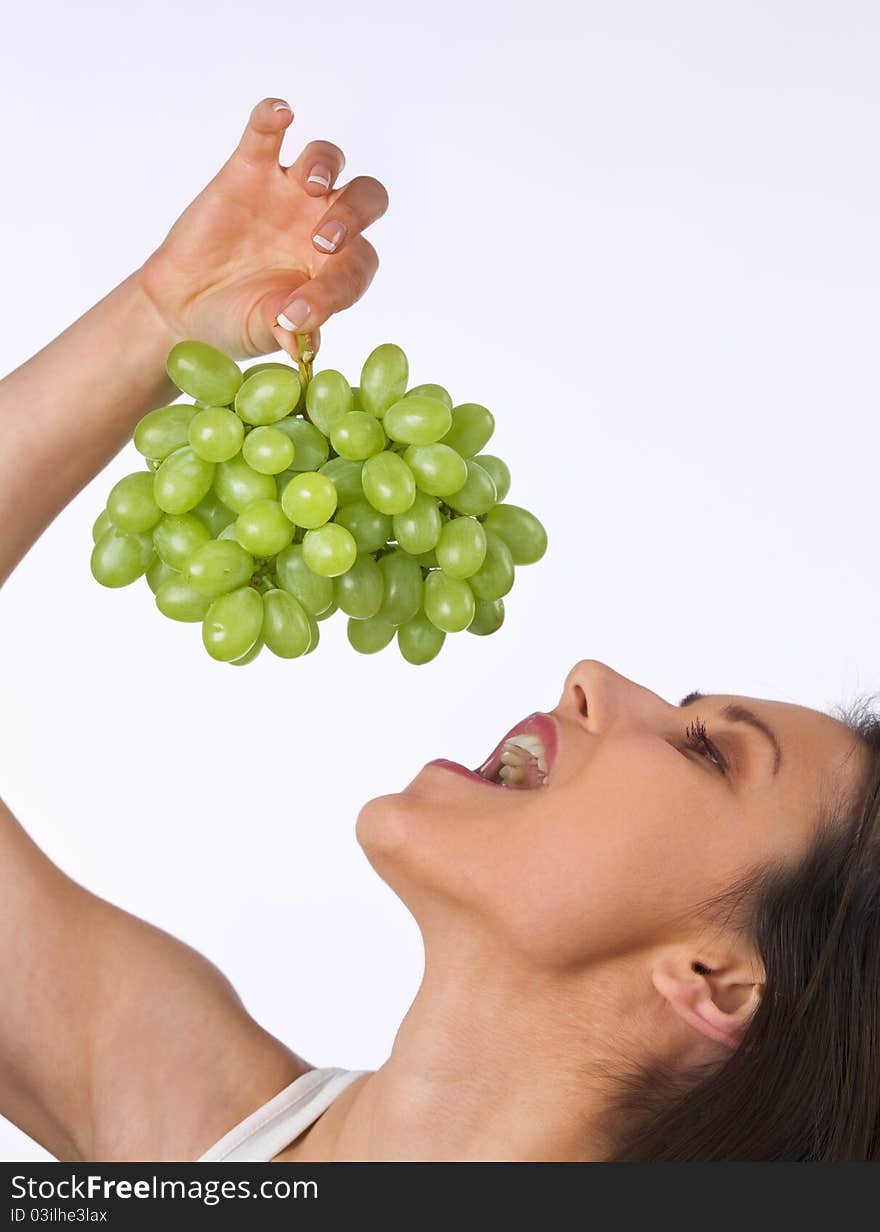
483	1068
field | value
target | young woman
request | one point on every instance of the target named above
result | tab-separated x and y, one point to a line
654	937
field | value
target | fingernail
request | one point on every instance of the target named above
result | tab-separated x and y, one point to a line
281	106
329	237
320	174
294	315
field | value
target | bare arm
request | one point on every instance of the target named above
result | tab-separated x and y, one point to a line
116	1040
67	411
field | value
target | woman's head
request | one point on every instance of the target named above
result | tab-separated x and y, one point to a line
645	861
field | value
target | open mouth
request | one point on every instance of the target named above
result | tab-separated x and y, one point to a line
522	761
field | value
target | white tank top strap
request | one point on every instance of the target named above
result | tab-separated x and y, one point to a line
266	1132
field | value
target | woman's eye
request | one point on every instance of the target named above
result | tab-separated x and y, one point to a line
698	741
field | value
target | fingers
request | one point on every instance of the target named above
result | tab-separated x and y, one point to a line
340	283
360	203
318	167
260	144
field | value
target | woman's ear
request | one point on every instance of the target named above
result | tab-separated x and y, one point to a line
718	1000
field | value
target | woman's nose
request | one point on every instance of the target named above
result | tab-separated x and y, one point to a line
580	693
594	694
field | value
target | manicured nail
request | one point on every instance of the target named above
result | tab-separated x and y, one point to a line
320	174
329	237
281	106
294	315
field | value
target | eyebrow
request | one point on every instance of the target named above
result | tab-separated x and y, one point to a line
735	713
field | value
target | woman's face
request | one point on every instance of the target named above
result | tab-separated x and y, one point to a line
631	833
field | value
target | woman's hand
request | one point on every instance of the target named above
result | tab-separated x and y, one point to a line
264	242
255	245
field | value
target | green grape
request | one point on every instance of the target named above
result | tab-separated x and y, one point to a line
158	573
497	471
370	636
182	480
177	537
309	499
438	469
162	431
282	480
203	372
252	653
131	506
372	500
495	576
402	576
230	532
328	611
218	567
329	550
119	559
268	451
383	378
239	485
449	602
262	528
177	600
213	513
419	640
472	425
311	448
371	529
357	436
345	475
431	391
265	366
359	591
268	396
103	522
520	530
461	548
418	528
292	573
477	494
488	617
286	629
388	482
216	434
232	624
328	399
417	421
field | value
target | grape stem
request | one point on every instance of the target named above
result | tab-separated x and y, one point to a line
306	353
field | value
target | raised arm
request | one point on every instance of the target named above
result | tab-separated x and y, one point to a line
116	1040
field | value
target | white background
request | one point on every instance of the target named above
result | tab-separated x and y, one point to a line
646	235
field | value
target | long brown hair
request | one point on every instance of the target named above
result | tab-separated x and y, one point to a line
804	1083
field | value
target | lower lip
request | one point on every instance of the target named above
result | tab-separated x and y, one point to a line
454	768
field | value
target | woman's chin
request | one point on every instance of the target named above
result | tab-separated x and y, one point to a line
399	832
382	828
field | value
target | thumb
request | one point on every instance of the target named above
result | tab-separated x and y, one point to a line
272	306
290	343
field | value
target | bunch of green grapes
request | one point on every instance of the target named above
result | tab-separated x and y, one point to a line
277	498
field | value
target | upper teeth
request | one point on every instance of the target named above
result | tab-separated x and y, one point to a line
514	753
533	744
